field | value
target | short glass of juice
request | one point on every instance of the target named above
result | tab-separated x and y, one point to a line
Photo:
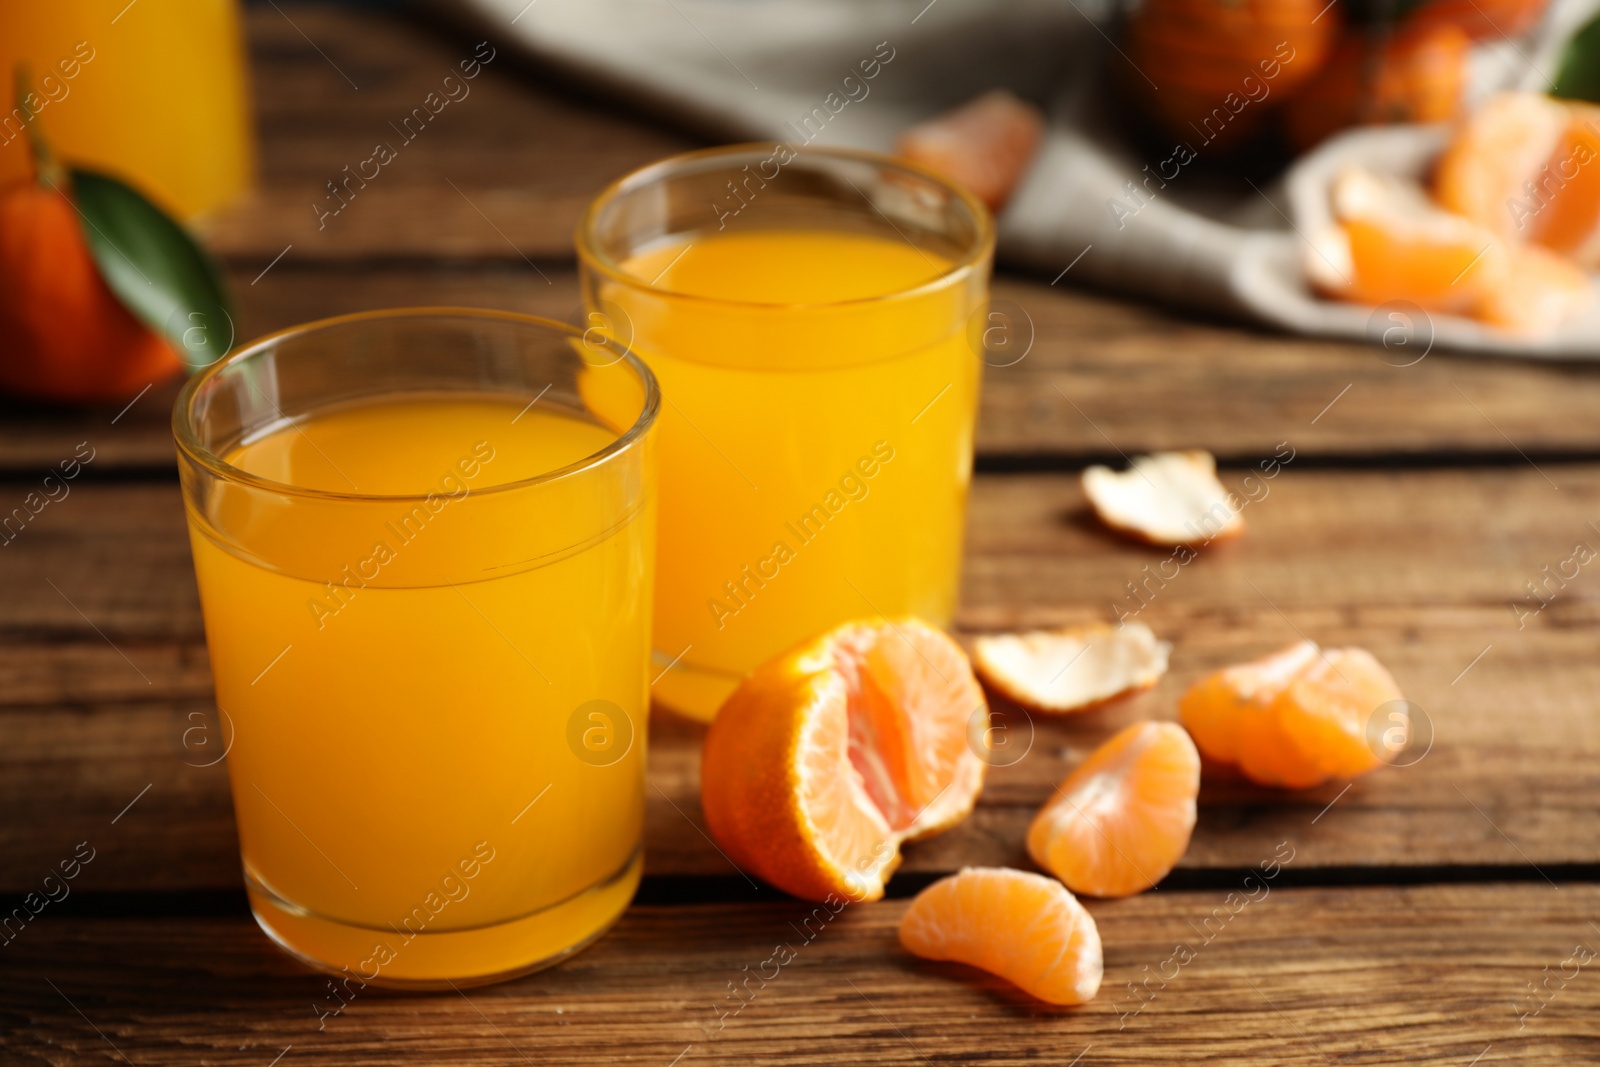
809	314
424	541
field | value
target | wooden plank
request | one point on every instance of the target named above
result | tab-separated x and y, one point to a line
524	157
1111	376
1422	568
1495	791
1299	976
35	439
1102	376
524	162
498	171
1342	550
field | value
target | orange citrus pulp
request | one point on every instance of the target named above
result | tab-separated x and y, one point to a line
829	756
1295	718
1024	927
1122	819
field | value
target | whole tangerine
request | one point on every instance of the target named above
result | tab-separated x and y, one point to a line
63	333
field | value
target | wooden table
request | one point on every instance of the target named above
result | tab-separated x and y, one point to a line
1442	912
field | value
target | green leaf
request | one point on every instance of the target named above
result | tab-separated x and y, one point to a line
1579	78
154	267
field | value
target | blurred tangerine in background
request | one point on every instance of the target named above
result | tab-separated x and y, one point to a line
65	335
1222	68
1222	64
1416	74
121	118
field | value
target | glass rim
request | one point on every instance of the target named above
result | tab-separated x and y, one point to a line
590	254
188	442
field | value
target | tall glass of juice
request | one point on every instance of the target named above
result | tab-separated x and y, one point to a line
424	541
809	314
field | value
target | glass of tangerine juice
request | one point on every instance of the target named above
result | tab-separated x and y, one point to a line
808	315
424	541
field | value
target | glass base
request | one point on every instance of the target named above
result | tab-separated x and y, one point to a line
448	959
694	692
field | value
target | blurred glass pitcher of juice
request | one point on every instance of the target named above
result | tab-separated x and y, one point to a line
151	91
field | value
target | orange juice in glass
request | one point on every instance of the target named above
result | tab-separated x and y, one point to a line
424	546
808	317
153	92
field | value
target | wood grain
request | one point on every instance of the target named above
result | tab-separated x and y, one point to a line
1103	376
485	198
1423	553
1380	975
1422	568
500	171
110	735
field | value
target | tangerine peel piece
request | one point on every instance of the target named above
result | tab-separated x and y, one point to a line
985	144
1167	498
1073	668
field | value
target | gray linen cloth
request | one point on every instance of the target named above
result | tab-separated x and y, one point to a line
793	70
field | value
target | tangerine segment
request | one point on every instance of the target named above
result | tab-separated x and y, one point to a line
1393	243
1324	712
1268	755
1566	209
1542	291
986	144
1215	706
1427	267
1528	167
1122	819
1024	927
1504	143
921	693
829	756
1293	719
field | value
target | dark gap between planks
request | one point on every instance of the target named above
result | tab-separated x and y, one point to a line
687	890
1019	463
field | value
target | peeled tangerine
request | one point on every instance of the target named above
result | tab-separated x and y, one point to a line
1169	498
1528	167
1024	927
1074	668
986	144
1295	718
832	754
1390	242
1122	819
